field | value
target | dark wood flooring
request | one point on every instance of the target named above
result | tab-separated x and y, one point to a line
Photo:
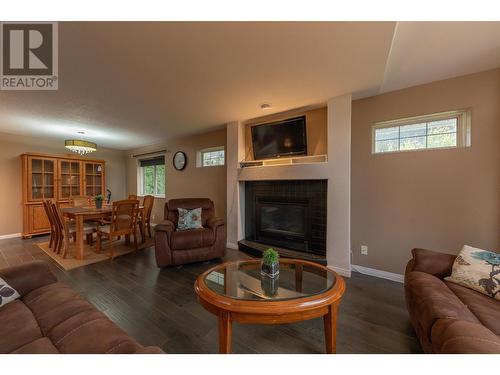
159	307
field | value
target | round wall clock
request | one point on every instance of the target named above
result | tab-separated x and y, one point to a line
179	160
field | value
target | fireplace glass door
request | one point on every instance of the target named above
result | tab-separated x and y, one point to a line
283	223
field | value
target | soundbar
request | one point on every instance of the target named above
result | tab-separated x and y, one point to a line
251	163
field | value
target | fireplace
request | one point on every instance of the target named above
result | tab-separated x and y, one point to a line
283	222
287	214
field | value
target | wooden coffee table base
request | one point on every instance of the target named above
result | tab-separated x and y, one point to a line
225	332
329	319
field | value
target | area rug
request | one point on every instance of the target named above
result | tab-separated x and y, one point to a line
89	254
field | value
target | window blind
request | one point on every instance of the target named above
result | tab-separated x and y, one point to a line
158	160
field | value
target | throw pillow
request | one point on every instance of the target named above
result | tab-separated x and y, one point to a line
7	293
189	219
478	270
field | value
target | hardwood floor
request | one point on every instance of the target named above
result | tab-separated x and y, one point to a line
159	307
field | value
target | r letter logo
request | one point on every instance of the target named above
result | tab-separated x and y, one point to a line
29	56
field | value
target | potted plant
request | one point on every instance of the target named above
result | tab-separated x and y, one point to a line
98	201
270	263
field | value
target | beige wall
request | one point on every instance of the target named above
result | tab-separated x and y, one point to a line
438	199
192	182
316	120
12	146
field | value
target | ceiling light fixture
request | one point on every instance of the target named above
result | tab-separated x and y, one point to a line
79	146
265	106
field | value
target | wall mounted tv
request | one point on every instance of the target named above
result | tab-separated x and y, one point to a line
280	138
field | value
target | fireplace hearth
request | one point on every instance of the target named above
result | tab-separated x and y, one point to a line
289	214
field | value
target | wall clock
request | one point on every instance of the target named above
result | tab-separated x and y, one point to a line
179	160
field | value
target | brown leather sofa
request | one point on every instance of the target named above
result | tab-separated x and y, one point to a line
175	247
447	317
52	318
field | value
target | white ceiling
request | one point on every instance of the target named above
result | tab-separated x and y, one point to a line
133	84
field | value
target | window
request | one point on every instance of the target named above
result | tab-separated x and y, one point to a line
216	277
210	157
152	176
441	130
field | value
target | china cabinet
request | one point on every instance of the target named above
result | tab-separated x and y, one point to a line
58	177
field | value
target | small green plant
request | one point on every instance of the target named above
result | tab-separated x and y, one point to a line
270	256
98	198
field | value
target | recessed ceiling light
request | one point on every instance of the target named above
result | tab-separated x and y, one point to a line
265	106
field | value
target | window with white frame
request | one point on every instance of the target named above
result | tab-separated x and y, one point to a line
440	130
210	157
151	177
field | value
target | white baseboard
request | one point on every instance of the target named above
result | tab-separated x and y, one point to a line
341	271
232	245
378	273
6	236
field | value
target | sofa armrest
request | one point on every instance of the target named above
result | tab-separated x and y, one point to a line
215	222
28	276
431	262
150	350
165	226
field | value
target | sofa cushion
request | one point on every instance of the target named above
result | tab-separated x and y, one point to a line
430	299
18	328
451	336
39	346
73	325
477	269
55	303
192	239
486	309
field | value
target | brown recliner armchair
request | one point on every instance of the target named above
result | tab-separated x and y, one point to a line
174	247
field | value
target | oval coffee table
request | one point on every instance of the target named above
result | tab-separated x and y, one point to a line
236	291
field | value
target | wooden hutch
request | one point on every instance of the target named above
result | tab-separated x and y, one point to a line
58	177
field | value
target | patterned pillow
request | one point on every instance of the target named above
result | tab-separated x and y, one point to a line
477	269
7	293
189	219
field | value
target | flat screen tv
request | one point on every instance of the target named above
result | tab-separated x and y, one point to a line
280	138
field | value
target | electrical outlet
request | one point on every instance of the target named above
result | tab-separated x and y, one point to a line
364	250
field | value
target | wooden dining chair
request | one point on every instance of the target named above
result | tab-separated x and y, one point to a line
132	197
148	208
48	211
80	201
123	222
65	230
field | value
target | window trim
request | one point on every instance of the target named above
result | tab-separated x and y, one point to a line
140	182
463	117
199	156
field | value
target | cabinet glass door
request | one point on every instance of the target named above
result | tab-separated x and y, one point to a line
94	179
70	179
42	178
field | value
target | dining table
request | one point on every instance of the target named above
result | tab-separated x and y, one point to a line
85	213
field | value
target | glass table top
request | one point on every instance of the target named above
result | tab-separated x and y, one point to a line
243	281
